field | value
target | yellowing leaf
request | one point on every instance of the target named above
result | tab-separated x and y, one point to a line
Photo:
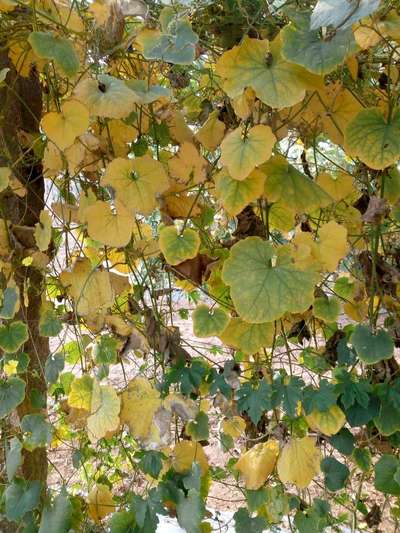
234	426
235	195
136	182
80	395
327	422
212	132
246	337
113	229
90	288
178	247
188	166
338	186
291	188
63	128
242	153
119	134
257	464
106	96
260	291
104	408
140	401
100	502
5	175
257	64
43	231
332	245
187	452
374	139
299	462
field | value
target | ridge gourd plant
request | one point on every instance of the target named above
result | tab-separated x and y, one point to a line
199	264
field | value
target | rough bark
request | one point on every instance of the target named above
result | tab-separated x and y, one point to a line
20	112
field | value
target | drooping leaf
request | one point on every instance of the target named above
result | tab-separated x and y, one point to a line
244	522
105	407
49	323
190	511
299	461
38	431
13	457
57	516
10	303
257	464
21	497
385	475
12	393
100	502
340	13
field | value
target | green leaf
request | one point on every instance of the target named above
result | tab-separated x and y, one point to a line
362	457
244	523
388	419
291	188
146	94
190	511
177	43
105	350
57	517
198	428
209	321
326	309
49	323
314	519
10	303
343	441
123	522
38	431
372	347
318	55
12	393
21	497
320	399
260	291
53	366
13	457
336	473
374	140
385	471
151	463
53	46
178	247
255	401
12	336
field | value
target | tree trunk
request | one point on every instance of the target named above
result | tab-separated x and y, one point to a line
20	113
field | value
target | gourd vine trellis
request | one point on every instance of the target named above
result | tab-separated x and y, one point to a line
199	250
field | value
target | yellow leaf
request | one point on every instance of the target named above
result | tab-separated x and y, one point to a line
113	229
140	401
188	166
212	132
241	154
181	206
104	408
63	128
136	182
249	338
100	502
119	134
187	452
257	464
327	422
338	185
299	462
90	288
43	231
178	247
234	427
332	245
